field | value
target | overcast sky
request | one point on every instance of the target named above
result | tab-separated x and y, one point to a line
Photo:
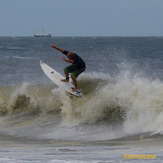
82	17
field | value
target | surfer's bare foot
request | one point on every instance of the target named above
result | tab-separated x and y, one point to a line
74	90
65	80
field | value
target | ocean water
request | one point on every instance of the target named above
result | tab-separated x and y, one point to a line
120	113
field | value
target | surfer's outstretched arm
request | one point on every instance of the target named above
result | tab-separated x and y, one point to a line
59	49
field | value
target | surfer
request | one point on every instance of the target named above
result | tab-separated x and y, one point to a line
78	66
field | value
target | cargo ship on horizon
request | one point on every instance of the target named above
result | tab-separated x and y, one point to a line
44	33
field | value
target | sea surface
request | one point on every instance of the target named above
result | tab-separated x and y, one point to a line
119	115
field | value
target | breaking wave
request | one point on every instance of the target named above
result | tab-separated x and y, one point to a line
110	108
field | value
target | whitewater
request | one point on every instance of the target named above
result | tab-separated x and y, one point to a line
121	111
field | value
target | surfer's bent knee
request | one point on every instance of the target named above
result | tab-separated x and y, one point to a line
73	76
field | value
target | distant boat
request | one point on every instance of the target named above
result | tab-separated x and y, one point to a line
44	33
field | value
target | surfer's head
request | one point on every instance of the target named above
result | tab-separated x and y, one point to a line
70	55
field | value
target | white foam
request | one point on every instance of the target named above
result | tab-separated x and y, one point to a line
139	99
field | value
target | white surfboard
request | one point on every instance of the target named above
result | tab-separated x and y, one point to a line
56	78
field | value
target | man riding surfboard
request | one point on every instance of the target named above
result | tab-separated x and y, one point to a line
78	66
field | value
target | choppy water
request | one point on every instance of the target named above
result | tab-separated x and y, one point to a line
121	111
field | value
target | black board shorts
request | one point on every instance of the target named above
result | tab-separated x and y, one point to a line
75	71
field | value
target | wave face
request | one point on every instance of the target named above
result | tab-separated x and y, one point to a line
110	108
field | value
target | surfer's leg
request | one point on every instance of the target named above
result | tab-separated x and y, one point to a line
74	76
66	75
75	83
68	70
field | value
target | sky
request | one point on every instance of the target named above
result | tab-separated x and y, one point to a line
82	17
